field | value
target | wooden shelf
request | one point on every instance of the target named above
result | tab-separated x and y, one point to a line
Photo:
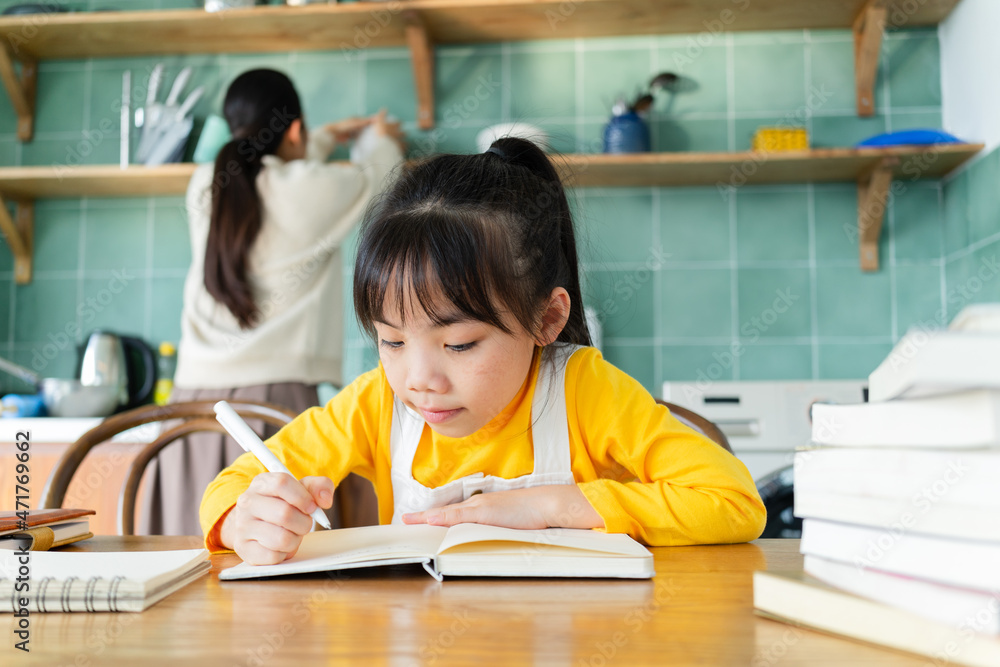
750	168
872	169
421	24
29	183
318	26
578	170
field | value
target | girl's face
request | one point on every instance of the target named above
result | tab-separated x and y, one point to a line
458	376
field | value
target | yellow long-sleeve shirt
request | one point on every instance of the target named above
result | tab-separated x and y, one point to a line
646	473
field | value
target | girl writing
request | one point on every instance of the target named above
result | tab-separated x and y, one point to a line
488	405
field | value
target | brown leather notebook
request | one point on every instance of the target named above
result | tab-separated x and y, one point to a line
46	529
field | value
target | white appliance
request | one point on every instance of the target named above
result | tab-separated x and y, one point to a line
764	423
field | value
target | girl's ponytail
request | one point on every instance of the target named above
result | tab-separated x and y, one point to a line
235	224
553	217
260	106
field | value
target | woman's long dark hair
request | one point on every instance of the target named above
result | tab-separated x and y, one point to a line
493	232
260	106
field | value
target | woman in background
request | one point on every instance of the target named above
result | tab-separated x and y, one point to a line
263	301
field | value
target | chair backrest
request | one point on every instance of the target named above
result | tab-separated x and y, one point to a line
197	416
699	423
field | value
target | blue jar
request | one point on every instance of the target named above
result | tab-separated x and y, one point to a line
626	133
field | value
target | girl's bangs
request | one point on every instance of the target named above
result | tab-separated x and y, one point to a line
435	263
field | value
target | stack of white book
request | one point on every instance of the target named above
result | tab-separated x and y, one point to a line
900	500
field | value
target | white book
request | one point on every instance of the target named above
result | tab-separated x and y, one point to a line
958	607
96	581
934	362
950	561
921	477
467	549
981	317
964	419
801	599
924	518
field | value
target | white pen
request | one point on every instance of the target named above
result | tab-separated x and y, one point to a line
249	441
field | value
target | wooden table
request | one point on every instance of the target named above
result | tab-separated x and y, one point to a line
697	611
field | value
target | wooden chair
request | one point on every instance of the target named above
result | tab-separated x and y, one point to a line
200	416
197	415
699	423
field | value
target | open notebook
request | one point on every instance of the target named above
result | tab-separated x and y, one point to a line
469	550
96	581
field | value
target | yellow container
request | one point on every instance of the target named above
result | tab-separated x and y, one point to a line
165	380
767	139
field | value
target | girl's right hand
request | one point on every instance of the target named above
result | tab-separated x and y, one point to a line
267	524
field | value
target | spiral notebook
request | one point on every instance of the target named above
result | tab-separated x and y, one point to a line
95	581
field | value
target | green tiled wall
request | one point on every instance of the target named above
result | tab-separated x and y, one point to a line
755	283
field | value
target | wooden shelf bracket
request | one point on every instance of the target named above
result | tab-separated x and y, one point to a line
873	195
19	232
21	90
868	28
422	57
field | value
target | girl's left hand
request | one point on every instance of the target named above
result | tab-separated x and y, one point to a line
553	506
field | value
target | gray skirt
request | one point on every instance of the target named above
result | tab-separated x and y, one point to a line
176	480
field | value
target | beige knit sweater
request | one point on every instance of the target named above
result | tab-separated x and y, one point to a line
295	267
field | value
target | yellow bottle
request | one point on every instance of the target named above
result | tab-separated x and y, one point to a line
165	375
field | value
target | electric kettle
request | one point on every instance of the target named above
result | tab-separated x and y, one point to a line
123	362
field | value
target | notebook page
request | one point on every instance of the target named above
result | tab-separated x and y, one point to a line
367	545
142	570
369	542
590	540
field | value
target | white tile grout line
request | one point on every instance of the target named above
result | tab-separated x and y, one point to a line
734	305
807	80
147	326
734	294
813	285
657	292
887	97
890	205
890	215
943	278
731	92
11	310
505	82
973	247
580	99
88	85
81	254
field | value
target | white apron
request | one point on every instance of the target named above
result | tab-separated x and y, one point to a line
549	435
